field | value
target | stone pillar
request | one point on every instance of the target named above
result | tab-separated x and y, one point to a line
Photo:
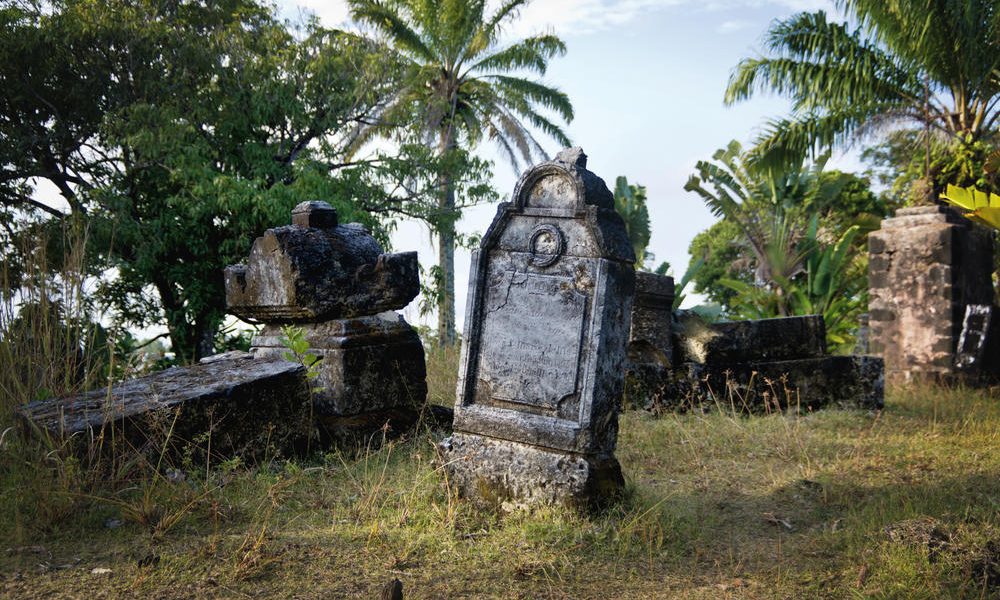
650	351
543	351
334	283
926	265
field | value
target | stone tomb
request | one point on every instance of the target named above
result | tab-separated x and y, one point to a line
334	282
546	326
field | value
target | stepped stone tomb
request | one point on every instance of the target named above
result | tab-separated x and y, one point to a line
931	296
543	351
335	283
678	361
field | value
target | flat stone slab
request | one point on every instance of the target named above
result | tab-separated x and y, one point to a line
809	383
246	404
786	338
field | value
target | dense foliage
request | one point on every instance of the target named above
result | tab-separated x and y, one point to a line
176	132
901	63
788	243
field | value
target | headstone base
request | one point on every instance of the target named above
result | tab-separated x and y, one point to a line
371	371
518	475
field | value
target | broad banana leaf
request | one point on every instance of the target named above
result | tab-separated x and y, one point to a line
982	207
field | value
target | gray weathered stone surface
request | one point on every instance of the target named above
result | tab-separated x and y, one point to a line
335	284
786	338
650	348
368	366
247	404
806	383
520	475
756	366
326	271
547	322
925	266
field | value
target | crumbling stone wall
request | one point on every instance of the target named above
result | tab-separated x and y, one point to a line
926	265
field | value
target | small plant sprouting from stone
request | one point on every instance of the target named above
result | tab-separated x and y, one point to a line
294	338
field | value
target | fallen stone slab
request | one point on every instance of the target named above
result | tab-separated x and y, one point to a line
783	338
808	384
236	403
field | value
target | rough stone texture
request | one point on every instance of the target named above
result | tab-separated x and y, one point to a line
547	322
325	271
650	349
925	266
247	404
807	383
335	284
371	367
518	475
757	366
785	338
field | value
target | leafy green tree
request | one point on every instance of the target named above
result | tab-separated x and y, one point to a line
460	91
785	243
178	131
907	62
630	202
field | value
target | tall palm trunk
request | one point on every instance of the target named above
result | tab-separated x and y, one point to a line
446	248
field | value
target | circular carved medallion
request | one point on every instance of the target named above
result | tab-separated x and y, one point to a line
546	245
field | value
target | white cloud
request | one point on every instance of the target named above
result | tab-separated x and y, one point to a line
577	17
732	26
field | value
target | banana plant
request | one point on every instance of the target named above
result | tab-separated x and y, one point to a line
982	207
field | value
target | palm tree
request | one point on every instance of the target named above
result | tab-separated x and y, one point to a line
931	63
462	91
630	202
766	206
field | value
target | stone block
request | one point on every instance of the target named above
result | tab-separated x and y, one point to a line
371	369
247	406
784	338
308	274
518	475
808	383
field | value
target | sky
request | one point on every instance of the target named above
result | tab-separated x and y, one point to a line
646	79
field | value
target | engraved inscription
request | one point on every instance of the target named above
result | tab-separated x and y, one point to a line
531	339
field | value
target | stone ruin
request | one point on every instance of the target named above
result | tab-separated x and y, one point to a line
334	282
331	280
547	321
678	361
932	300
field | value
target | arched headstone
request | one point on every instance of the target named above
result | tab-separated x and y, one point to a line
543	352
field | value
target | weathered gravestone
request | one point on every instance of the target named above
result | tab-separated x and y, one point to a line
230	403
331	280
334	282
547	322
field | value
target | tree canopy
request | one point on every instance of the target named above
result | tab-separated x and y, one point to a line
904	63
177	132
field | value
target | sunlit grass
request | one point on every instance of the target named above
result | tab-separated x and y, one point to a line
830	504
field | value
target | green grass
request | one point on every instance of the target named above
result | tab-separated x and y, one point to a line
835	504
